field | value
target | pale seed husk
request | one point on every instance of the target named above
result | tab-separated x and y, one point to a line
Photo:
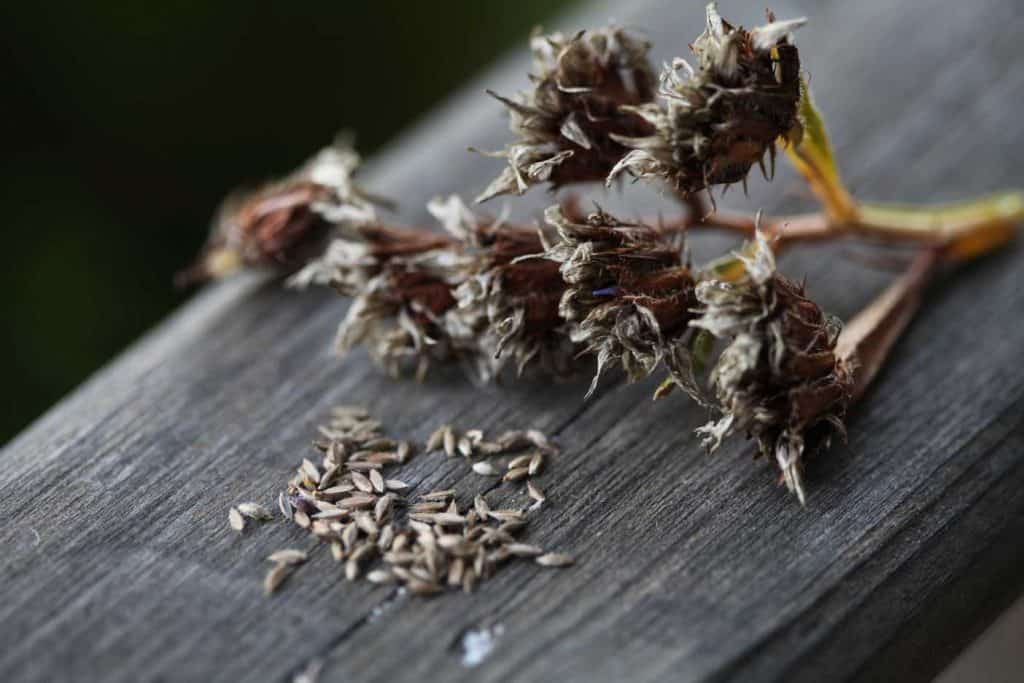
255	511
288	556
449	441
275	577
555	560
485	468
516	474
236	520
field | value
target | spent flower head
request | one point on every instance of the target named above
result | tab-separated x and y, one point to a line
628	293
286	223
568	124
779	379
722	117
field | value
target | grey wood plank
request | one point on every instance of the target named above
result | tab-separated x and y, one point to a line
119	565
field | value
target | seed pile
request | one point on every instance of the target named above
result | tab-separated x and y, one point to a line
347	502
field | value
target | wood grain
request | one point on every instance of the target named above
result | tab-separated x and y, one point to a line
119	565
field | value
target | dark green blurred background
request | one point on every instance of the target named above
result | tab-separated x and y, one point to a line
128	121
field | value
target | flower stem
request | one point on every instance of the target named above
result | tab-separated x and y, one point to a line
865	342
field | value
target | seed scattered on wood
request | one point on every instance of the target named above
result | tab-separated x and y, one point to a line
449	441
535	492
439	495
361	482
523	549
536	462
404	452
485	468
284	505
311	471
516	474
395	485
288	556
380	576
465	447
521	461
255	511
436	440
555	560
302	519
236	520
275	577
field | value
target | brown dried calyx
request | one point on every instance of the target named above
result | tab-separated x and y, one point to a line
569	124
628	295
779	379
286	223
726	114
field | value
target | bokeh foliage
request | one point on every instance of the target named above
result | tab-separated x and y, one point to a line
127	122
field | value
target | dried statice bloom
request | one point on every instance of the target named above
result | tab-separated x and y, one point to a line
724	116
628	294
569	123
507	309
779	379
286	223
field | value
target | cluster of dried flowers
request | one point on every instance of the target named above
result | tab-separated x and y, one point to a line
347	502
488	293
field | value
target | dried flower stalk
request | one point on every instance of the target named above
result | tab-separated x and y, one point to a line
488	293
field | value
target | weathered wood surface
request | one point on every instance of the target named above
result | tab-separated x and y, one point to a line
118	564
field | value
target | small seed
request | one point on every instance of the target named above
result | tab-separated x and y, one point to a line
516	474
524	550
349	535
506	515
362	483
302	519
449	441
377	481
275	577
436	439
236	520
536	462
404	452
465	447
380	576
255	511
284	505
357	501
521	461
535	492
444	494
555	560
310	471
381	509
288	556
485	468
387	536
395	485
481	507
